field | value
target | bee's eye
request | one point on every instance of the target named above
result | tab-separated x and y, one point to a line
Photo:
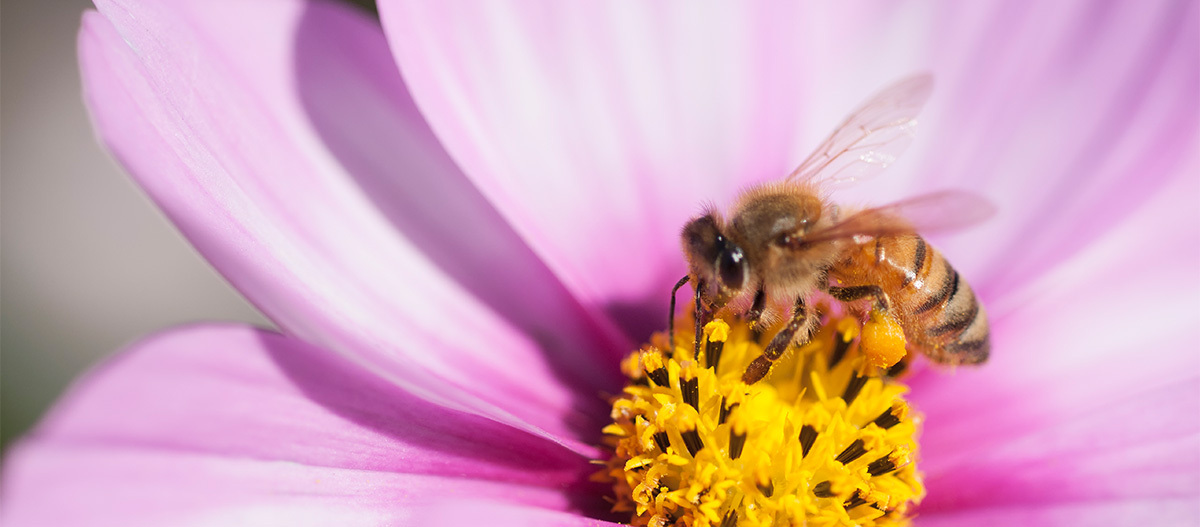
785	240
731	268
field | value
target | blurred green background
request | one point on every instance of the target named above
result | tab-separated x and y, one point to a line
87	264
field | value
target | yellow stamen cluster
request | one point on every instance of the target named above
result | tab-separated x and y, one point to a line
823	440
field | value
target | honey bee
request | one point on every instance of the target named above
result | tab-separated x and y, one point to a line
785	241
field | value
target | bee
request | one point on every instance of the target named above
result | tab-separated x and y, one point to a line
783	242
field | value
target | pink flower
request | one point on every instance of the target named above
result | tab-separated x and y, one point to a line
455	278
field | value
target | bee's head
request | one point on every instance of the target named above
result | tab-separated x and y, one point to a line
718	263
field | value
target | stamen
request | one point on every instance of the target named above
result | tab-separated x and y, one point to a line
662	440
717	334
852	452
786	450
823	489
808	436
737	438
890	417
764	483
689	385
652	363
840	346
853	387
854	501
881	466
691	436
725	409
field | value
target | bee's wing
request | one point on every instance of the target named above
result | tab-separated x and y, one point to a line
937	211
871	138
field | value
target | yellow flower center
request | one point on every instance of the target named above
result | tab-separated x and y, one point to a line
823	440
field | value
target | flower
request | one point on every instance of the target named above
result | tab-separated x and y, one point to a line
458	251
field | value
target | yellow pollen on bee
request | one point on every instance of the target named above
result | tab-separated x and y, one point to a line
811	444
883	341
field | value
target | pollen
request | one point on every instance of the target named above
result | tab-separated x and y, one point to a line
823	440
883	340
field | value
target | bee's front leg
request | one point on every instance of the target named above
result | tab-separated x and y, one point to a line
761	365
671	317
703	313
755	313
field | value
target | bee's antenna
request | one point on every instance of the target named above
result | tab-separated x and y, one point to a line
671	316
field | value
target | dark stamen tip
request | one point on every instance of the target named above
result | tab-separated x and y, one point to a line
662	440
854	501
898	368
808	436
887	419
852	452
853	387
840	347
881	466
730	519
736	443
725	411
691	439
660	377
823	489
690	388
768	489
712	354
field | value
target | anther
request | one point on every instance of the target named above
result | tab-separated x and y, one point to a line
689	386
737	438
881	466
840	346
725	411
717	332
662	440
808	436
890	417
823	489
898	368
712	353
767	489
652	363
852	388
852	452
854	501
691	435
691	439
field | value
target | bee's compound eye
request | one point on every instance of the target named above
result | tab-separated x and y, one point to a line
731	268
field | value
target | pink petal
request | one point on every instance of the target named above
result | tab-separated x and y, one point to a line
1089	402
608	125
281	141
220	425
1142	447
499	514
1172	512
598	129
1070	115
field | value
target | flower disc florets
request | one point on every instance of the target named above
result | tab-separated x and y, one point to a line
822	441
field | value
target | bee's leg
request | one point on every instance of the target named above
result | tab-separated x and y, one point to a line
671	317
761	365
702	314
755	313
859	292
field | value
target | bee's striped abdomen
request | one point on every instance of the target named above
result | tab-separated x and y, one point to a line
943	317
939	311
